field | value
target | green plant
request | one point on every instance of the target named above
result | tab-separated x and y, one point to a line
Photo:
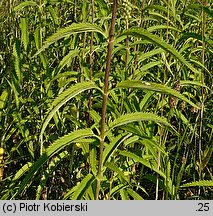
106	100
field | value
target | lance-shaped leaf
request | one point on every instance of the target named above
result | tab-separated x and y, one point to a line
156	87
134	194
25	4
72	29
58	145
138	116
145	162
17	59
118	170
141	33
67	59
149	54
51	168
193	83
64	97
115	142
24	31
150	165
78	191
201	183
3	101
16	177
159	27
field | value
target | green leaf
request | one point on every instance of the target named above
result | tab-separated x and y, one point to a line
72	29
208	10
207	155
117	188
150	165
63	98
141	33
152	146
93	160
78	191
134	194
3	99
67	59
157	27
149	54
95	116
193	83
146	163
138	116
24	4
51	168
38	41
37	38
116	169
187	35
72	74
124	194
24	32
182	117
53	15
17	176
148	66
154	87
201	183
22	171
58	145
16	54
113	145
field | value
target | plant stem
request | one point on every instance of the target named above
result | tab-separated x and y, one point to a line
91	59
91	40
127	47
162	131
202	89
105	96
90	76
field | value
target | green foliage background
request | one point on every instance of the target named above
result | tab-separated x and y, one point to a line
157	133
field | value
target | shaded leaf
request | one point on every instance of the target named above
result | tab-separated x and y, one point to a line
134	194
58	145
51	168
78	191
